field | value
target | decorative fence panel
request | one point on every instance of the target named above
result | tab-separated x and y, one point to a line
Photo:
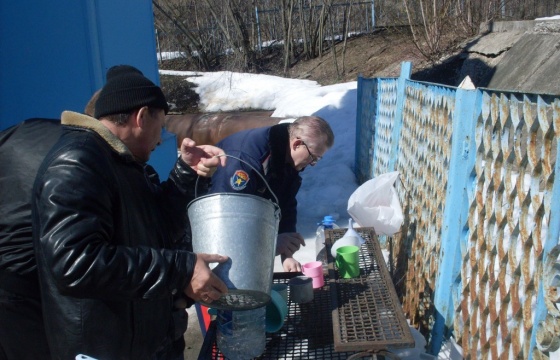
424	152
482	211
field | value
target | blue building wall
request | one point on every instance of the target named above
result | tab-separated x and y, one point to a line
54	56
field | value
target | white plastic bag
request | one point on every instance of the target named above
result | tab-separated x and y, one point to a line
376	204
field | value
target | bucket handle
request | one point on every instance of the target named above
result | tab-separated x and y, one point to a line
249	165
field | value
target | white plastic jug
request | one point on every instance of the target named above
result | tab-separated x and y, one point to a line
351	237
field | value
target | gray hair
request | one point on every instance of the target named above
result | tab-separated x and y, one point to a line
121	119
312	129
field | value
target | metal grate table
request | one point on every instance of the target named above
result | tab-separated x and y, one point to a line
367	314
346	316
306	334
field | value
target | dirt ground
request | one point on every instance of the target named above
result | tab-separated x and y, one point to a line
373	55
193	336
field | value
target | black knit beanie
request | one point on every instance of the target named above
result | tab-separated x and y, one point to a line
128	89
120	70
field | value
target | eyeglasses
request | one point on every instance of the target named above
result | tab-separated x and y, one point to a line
314	159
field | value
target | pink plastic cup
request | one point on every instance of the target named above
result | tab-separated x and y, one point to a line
314	270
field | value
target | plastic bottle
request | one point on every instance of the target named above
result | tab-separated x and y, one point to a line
241	334
326	223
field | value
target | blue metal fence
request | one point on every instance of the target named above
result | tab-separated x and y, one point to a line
477	255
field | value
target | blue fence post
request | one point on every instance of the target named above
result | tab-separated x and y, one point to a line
359	127
374	109
366	120
459	185
406	70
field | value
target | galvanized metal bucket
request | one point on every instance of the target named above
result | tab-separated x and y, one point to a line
243	227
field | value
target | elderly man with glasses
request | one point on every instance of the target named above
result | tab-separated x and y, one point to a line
279	153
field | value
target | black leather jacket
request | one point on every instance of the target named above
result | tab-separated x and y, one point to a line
102	233
22	149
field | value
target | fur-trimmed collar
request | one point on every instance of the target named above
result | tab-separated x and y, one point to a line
70	118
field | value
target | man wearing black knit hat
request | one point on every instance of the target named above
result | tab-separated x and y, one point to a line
104	230
127	89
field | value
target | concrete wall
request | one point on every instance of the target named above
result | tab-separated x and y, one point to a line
520	56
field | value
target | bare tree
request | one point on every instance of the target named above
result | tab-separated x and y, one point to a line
323	17
238	35
287	15
224	33
173	14
333	48
432	16
347	13
304	29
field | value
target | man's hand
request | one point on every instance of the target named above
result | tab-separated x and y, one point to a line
203	159
290	264
205	285
288	243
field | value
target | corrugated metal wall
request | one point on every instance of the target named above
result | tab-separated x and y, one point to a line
477	187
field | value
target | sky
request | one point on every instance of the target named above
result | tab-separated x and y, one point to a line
328	185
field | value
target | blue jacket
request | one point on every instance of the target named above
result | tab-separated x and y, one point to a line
265	149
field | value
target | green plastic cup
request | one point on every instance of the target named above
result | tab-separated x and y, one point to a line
348	261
